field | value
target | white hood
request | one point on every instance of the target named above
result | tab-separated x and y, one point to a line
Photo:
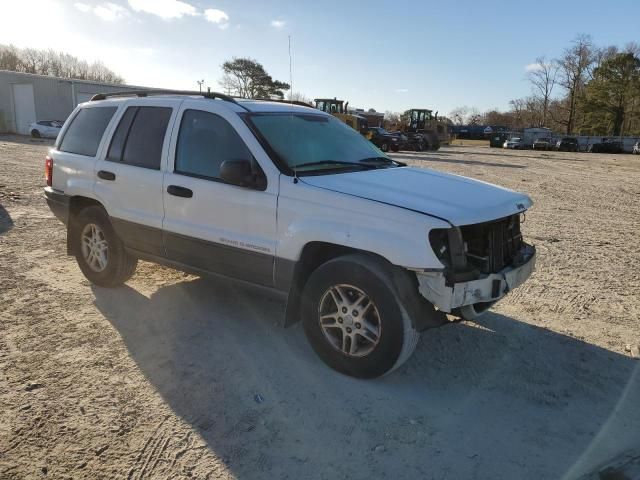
459	200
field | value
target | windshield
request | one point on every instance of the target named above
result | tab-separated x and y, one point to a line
310	142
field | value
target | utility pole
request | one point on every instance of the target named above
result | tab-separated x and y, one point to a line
200	83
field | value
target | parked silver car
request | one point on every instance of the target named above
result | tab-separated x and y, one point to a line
46	128
514	143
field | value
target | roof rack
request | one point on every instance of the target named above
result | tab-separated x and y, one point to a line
288	102
147	93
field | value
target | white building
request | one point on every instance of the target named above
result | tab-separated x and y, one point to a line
26	98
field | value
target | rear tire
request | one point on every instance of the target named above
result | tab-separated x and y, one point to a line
100	253
35	133
384	147
379	334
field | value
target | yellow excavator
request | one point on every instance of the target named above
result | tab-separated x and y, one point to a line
424	129
338	108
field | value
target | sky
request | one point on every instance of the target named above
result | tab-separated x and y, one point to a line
375	54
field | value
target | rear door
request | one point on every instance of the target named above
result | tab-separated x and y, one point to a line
129	172
215	226
74	154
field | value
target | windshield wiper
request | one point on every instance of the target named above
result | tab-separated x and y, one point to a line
335	162
382	160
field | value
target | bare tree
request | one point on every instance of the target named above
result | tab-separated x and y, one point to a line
474	117
543	79
459	115
517	109
49	62
574	68
392	120
9	58
299	97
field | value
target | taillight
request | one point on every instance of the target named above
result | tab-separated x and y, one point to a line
48	170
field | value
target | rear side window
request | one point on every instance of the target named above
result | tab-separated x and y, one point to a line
139	138
205	141
85	132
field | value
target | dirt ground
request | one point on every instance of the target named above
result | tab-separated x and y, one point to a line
173	376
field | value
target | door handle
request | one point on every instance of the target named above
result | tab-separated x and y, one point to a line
103	174
179	191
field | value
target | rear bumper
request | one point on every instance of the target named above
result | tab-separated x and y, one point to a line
58	203
488	289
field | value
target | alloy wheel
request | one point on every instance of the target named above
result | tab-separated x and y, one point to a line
349	320
94	247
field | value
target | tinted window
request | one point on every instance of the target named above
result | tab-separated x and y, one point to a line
85	132
119	138
205	141
140	136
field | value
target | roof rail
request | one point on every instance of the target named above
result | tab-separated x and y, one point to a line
147	93
288	102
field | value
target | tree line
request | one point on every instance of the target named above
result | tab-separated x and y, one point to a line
56	64
588	90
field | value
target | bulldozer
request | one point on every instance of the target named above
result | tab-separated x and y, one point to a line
424	130
338	108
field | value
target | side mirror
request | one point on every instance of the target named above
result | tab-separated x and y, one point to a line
238	172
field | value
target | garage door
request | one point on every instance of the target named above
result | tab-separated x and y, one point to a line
25	107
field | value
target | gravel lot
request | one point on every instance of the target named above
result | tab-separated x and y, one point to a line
173	376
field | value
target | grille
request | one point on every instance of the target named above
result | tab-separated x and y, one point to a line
492	246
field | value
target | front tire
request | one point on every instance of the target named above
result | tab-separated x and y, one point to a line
100	253
354	320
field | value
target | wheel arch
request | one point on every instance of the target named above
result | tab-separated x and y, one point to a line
404	283
77	203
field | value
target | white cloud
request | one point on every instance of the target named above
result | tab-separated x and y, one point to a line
165	9
402	90
83	7
532	67
278	24
218	17
110	11
107	11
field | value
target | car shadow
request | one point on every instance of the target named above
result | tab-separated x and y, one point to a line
546	154
26	139
431	158
496	399
6	223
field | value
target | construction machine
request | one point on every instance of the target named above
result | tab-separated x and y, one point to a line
424	130
338	108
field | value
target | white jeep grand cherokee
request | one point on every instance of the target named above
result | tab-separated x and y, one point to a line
369	252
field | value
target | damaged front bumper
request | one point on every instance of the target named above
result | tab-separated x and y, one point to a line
474	296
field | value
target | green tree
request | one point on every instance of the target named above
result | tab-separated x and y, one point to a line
247	78
613	93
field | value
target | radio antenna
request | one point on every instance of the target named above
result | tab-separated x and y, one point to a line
290	73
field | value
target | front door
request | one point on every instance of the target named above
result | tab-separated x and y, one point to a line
208	224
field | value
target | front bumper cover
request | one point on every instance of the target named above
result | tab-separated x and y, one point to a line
488	289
